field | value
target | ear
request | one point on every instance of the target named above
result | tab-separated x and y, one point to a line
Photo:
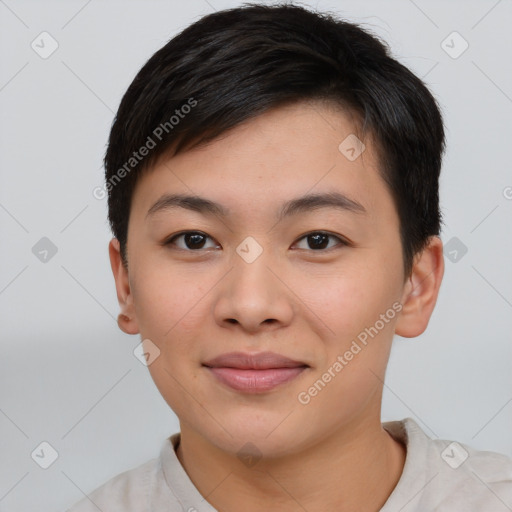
126	320
421	290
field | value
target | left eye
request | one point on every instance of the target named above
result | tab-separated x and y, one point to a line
320	240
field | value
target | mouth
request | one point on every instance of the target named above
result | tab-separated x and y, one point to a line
254	373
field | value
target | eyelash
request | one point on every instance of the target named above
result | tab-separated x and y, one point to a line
341	242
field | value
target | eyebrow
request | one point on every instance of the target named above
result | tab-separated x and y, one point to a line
295	206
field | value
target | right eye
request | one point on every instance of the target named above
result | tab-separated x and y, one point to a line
189	240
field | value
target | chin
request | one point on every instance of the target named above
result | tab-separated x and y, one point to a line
267	435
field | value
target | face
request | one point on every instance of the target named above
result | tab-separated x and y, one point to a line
306	292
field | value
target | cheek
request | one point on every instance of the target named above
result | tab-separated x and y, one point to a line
168	299
351	299
170	312
358	307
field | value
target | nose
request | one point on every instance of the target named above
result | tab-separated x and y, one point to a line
254	297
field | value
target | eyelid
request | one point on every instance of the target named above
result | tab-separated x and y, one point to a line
342	241
170	239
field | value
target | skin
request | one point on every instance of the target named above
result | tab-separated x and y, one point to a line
304	303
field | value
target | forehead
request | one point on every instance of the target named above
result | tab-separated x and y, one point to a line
282	154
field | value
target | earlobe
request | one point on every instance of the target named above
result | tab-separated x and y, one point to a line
421	290
126	320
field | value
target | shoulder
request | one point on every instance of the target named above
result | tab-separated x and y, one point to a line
484	478
126	492
443	476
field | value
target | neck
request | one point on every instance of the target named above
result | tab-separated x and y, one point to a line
353	469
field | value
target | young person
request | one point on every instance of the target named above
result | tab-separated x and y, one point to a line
273	192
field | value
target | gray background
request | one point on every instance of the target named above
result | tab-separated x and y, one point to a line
69	376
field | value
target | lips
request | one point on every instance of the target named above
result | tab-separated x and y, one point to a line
261	361
254	373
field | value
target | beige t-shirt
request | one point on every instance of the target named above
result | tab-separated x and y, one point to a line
438	476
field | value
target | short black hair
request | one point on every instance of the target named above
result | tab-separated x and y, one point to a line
236	64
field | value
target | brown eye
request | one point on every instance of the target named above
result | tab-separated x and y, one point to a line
190	240
320	240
